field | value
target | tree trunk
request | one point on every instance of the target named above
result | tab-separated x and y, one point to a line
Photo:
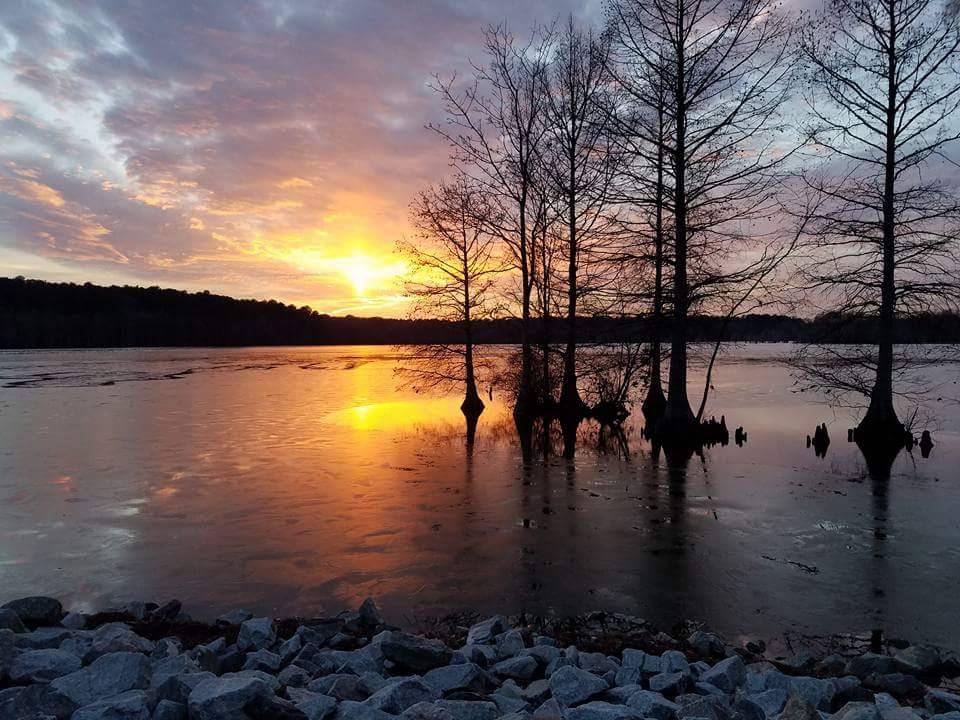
655	403
571	406
472	405
881	426
524	410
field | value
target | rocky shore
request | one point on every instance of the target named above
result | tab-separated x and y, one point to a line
153	662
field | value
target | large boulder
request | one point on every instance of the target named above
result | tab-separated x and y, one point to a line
40	666
117	638
599	710
673	661
37	611
169	710
870	664
109	675
35	701
225	697
9	620
465	676
770	701
411	652
671	684
131	705
923	660
799	709
941	701
484	632
653	705
398	696
573	686
520	668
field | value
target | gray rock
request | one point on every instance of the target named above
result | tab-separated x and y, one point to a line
177	688
35	701
698	668
770	701
653	705
397	697
633	658
74	621
940	702
597	663
411	652
899	713
521	669
707	643
621	693
572	686
705	688
870	664
293	676
426	711
256	634
556	664
509	644
131	705
271	707
467	676
744	709
884	701
671	684
7	651
262	660
543	654
915	659
169	710
953	715
117	638
470	710
799	709
727	674
599	710
9	620
370	616
350	710
897	684
628	676
234	617
289	649
341	686
507	703
549	710
537	692
544	640
108	675
226	697
317	707
37	611
673	661
167	668
858	711
35	666
709	707
43	638
482	655
831	665
484	632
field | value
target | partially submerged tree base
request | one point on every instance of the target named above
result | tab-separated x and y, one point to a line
654	404
880	434
472	406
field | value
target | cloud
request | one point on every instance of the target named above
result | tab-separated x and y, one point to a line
202	143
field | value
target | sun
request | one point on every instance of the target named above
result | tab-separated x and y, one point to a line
358	273
369	273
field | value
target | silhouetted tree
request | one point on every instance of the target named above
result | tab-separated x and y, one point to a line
454	262
884	82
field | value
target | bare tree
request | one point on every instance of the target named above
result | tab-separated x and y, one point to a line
496	129
454	262
729	67
884	82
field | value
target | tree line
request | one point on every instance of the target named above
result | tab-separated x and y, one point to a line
691	158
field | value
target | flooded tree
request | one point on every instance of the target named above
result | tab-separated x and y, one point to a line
496	130
453	265
729	67
884	82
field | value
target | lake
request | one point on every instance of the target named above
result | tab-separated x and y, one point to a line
294	481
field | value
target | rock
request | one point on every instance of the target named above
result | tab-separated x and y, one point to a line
509	644
544	640
831	665
7	652
169	710
484	632
549	710
43	638
954	715
262	660
271	707
699	668
411	652
234	617
340	686
108	675
469	710
799	709
707	644
370	616
897	684
537	692
770	701
177	688
727	674
9	620
870	664
521	669
940	701
398	696
815	691
225	697
543	654
899	713
482	655
857	711
627	676
36	666
467	676
848	694
506	703
293	676
673	661
169	667
131	705
597	663
599	710
256	634
35	701
633	658
923	660
572	686
426	711
317	707
350	710
37	611
117	638
653	705
707	707
671	684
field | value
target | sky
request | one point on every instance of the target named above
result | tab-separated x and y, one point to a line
265	149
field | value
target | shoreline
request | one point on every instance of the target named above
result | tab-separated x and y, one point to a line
149	661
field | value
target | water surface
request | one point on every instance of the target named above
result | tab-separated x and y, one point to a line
300	480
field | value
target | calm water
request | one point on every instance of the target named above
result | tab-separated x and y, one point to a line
300	480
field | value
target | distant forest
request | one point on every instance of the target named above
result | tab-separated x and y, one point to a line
39	314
